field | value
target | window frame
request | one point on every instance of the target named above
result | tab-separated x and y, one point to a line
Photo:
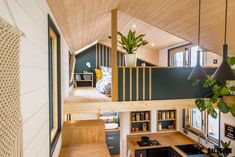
187	124
53	143
186	47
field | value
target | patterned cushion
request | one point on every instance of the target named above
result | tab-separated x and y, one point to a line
98	73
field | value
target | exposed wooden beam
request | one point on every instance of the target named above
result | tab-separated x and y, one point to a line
114	55
127	106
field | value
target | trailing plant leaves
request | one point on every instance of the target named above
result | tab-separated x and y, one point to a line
195	82
233	110
208	83
223	107
231	60
232	88
224	91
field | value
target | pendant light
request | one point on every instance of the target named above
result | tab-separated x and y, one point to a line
224	72
198	73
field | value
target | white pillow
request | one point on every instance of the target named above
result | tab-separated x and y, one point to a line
106	72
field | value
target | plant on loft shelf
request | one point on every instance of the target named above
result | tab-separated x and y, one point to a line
130	44
222	95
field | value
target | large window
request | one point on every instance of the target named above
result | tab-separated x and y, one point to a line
54	84
213	126
197	122
197	119
184	56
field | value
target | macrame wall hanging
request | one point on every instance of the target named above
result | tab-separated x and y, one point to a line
10	115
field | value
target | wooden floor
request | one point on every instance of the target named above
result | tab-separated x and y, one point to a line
115	155
86	95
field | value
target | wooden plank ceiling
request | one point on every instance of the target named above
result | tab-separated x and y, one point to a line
85	21
165	22
180	17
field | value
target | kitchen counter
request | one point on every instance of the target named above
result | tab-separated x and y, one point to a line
169	139
85	150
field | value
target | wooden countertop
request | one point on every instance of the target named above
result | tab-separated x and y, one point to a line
169	139
85	150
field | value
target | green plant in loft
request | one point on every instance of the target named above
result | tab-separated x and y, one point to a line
131	42
222	95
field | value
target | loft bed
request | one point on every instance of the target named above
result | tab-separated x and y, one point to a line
86	95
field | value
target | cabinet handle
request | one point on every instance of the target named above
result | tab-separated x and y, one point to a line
111	138
111	147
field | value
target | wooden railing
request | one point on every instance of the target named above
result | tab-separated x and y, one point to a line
156	83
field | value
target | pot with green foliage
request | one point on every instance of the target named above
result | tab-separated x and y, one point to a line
222	95
225	150
130	44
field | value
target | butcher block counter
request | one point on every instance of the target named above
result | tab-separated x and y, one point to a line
84	139
86	150
166	140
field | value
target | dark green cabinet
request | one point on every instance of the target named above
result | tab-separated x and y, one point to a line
113	141
157	152
174	153
141	153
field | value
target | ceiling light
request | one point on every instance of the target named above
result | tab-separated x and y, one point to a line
198	73
134	26
224	72
152	45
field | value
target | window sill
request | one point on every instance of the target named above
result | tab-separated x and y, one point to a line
198	132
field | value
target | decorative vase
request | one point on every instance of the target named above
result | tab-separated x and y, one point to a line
229	100
130	59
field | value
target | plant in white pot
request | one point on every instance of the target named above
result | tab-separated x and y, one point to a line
130	44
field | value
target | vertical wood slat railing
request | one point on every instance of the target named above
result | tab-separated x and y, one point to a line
136	93
141	83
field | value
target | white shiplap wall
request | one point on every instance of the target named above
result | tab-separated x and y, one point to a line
30	16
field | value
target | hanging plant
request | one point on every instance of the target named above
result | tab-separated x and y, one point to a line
222	94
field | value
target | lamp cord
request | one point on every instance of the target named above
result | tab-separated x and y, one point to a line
199	33
225	25
199	24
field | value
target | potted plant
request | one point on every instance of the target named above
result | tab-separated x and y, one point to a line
130	44
222	95
225	150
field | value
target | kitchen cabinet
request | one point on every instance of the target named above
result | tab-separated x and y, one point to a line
174	153
113	141
141	153
159	152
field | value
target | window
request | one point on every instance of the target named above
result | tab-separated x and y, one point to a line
197	119
184	56
213	126
54	84
196	122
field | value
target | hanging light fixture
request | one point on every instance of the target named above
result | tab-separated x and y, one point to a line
198	73
224	72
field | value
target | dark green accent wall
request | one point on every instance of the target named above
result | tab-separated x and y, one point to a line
167	83
89	55
103	56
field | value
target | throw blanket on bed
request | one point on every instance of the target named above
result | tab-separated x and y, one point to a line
104	85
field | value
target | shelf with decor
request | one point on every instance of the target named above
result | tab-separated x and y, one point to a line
166	120
83	77
140	122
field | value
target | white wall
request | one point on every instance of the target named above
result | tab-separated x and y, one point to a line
209	57
31	18
163	57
